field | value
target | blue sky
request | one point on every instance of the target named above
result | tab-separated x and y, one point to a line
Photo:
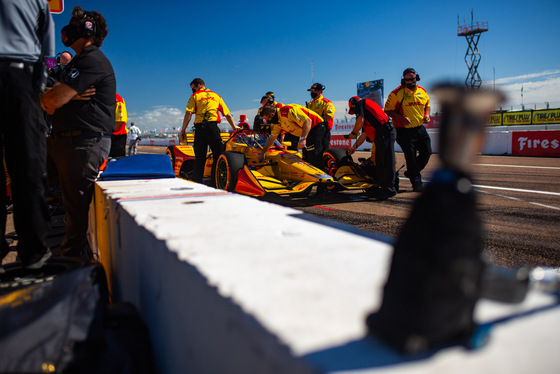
244	48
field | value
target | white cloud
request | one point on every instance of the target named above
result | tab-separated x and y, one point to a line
528	77
159	117
538	88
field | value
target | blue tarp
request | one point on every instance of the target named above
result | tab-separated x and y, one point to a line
139	167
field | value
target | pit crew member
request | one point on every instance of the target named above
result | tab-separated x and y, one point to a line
301	122
267	100
206	105
376	126
323	107
409	107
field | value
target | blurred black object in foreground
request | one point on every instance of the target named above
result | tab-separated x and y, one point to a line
436	270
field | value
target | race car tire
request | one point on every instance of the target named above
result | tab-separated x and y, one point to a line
170	152
227	168
333	158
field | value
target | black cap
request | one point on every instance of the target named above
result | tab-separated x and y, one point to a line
317	86
408	71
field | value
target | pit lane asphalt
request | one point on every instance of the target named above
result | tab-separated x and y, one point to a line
519	204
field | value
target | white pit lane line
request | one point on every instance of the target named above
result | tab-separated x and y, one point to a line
478	187
520	166
521	190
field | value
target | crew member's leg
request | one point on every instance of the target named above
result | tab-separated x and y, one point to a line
423	144
313	153
216	146
404	139
135	146
23	127
4	247
327	138
78	161
385	160
292	139
200	151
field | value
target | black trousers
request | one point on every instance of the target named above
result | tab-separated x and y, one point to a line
417	148
313	151
293	139
23	142
206	135
385	157
77	160
327	138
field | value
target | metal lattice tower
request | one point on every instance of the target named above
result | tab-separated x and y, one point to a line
472	33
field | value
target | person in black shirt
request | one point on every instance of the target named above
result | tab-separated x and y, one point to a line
82	106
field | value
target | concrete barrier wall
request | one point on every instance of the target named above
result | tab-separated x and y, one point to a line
231	284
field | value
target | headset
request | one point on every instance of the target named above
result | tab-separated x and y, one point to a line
86	29
87	25
407	71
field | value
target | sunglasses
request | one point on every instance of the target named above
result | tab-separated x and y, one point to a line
409	79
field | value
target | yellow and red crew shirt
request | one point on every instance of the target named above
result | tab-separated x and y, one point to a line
207	105
411	104
292	117
323	107
120	117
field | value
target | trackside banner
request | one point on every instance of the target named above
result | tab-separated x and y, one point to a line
536	143
338	141
517	118
344	127
546	117
495	119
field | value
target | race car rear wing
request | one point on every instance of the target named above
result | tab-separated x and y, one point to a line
187	138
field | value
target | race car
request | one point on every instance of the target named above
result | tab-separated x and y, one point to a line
283	171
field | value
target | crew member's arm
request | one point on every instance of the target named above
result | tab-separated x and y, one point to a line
186	120
267	145
86	95
56	97
358	143
329	113
304	132
357	127
391	104
230	120
427	114
397	116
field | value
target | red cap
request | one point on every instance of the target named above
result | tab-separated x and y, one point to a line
353	100
242	117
